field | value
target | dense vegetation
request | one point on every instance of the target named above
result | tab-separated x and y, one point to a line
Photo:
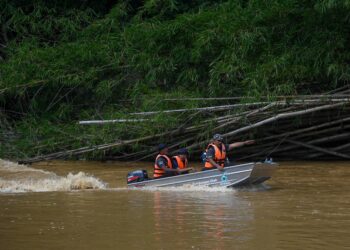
65	61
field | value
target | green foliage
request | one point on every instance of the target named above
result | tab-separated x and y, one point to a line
46	22
61	61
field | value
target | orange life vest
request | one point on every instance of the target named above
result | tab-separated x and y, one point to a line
158	171
219	157
180	163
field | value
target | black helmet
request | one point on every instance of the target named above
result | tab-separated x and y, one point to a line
218	137
162	146
183	151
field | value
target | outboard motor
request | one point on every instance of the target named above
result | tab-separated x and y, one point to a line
137	176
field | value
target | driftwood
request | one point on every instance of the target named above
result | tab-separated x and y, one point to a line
274	119
289	148
299	131
284	115
214	108
89	149
83	150
317	133
298	124
229	107
339	148
235	98
323	150
112	121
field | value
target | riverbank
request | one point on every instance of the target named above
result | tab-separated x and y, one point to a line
132	62
310	128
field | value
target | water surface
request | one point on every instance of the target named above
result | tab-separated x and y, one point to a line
85	205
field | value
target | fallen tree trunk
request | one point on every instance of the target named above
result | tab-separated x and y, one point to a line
282	126
292	147
111	121
274	119
339	148
323	150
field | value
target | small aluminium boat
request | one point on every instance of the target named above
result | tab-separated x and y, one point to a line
232	176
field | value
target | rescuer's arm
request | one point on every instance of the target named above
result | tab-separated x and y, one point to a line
186	170
215	164
240	144
162	164
170	170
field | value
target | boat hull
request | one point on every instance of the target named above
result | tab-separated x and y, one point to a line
232	176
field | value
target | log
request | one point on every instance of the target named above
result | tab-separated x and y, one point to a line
323	150
213	108
111	121
257	115
290	147
339	148
324	96
335	91
275	118
284	115
299	131
228	107
88	149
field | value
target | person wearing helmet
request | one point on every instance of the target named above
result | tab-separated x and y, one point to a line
216	152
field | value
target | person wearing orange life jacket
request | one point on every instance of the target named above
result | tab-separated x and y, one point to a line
180	161
216	152
163	166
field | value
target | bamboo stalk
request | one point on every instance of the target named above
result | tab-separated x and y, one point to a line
339	89
274	119
282	116
213	108
323	150
111	121
251	97
227	107
327	124
259	115
339	148
99	147
292	147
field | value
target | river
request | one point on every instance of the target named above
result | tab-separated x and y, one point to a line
85	205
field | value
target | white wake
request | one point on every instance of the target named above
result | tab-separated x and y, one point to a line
15	178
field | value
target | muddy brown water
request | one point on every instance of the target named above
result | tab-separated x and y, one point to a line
306	205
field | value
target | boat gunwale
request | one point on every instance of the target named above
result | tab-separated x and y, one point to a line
195	173
211	176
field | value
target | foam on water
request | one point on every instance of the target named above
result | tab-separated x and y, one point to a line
15	178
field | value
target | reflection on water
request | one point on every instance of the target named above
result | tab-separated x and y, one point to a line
305	206
199	216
